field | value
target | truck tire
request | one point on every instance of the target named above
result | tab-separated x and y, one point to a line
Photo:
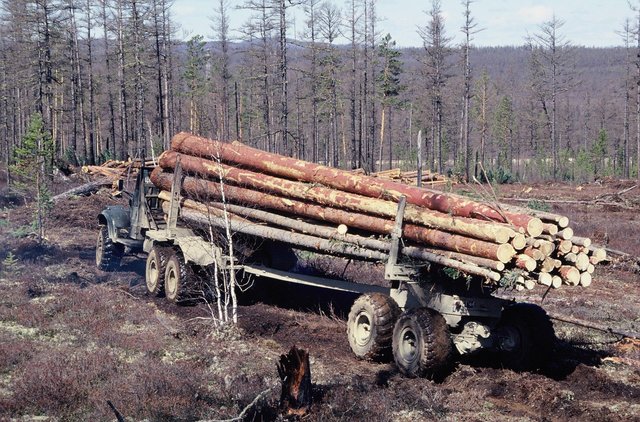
177	278
108	253
370	326
422	343
155	270
527	337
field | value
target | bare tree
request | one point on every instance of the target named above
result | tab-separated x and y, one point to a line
551	76
436	45
221	30
468	29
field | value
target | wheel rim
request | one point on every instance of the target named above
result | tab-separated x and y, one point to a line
152	273
408	348
171	285
363	330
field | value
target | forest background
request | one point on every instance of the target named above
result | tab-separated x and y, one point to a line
113	79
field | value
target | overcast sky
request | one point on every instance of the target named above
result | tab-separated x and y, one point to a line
504	22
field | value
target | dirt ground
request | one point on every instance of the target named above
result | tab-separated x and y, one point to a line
73	338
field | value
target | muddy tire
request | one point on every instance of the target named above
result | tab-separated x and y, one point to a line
370	326
155	270
178	278
422	344
108	253
527	337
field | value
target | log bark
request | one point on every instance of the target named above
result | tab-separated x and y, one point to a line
294	370
203	189
485	230
346	181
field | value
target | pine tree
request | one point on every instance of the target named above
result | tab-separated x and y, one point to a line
32	169
389	87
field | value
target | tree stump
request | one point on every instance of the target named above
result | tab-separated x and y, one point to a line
295	375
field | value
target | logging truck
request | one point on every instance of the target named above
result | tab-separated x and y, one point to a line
438	301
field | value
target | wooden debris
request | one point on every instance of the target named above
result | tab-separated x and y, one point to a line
294	370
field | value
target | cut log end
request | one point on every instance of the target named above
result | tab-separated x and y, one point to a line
505	253
562	221
535	227
585	279
566	233
519	242
570	275
545	279
525	262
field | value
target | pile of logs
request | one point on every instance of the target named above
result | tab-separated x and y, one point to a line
410	177
345	214
113	169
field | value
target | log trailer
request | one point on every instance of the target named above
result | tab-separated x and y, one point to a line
434	308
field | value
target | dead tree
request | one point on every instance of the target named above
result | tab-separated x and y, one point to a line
295	374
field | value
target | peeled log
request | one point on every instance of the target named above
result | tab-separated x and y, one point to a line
347	181
581	241
200	188
325	232
481	262
215	217
547	217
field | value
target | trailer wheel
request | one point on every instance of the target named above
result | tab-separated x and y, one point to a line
108	253
155	270
422	343
526	337
177	278
370	326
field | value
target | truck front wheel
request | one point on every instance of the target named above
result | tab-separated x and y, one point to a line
422	343
108	253
155	270
177	278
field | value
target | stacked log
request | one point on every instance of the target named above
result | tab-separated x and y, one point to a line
114	169
268	195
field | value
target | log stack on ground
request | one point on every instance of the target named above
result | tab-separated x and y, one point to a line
309	205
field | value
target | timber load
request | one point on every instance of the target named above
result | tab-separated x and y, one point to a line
342	213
